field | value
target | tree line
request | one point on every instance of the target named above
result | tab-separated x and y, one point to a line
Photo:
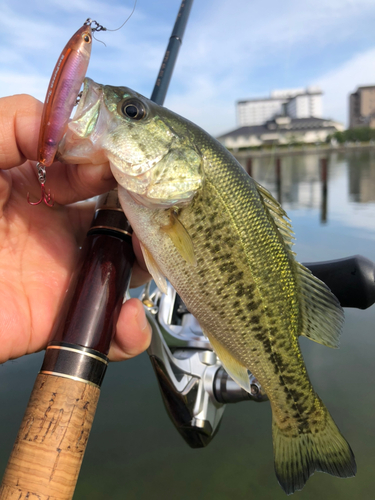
361	134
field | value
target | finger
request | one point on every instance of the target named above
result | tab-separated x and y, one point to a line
133	332
20	117
72	183
69	183
80	218
5	189
19	129
140	274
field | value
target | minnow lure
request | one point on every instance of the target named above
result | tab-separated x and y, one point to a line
63	88
66	81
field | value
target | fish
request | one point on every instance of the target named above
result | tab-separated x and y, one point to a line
225	244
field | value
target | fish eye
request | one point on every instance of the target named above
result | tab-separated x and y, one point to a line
86	37
133	108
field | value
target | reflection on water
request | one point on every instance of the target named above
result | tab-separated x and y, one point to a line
294	180
302	182
134	451
362	177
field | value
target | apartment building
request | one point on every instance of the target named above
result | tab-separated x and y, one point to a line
296	103
362	107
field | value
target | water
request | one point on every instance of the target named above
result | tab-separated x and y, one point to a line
134	451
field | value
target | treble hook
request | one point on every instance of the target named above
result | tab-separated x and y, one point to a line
46	197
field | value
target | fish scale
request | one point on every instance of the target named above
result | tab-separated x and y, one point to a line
225	245
201	298
244	317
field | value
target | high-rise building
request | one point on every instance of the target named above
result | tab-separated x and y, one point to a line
362	107
296	103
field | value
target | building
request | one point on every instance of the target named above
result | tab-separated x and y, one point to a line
296	103
282	130
362	107
286	117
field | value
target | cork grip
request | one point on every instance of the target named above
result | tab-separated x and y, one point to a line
51	442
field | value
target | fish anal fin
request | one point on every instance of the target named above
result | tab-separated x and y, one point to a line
154	270
236	370
180	238
322	316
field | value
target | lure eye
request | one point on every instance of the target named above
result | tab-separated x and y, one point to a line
86	37
132	108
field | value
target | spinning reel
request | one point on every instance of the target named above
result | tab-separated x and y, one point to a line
194	385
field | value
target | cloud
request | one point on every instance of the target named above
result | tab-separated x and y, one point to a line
231	50
343	80
238	35
14	83
32	38
246	49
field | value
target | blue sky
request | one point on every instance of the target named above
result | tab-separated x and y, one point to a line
232	50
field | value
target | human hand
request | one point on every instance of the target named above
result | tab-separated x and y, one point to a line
39	245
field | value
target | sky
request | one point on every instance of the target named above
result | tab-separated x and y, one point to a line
232	50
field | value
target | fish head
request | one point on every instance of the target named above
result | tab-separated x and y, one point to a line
151	150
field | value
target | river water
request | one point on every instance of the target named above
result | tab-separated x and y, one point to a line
134	451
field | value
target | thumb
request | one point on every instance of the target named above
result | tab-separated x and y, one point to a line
133	332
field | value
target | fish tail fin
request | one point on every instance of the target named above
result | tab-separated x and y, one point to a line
298	457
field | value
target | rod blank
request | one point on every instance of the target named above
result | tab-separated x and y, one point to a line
170	57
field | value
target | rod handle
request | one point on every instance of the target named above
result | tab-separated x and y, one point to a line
51	442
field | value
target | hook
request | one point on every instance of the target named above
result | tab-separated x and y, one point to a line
46	197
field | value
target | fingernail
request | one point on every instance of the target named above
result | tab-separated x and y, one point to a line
143	323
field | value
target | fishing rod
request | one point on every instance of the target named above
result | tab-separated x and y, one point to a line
49	448
167	66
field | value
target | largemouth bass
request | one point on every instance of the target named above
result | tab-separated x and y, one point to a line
225	245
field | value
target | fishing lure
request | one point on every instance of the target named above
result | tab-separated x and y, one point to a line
66	81
62	92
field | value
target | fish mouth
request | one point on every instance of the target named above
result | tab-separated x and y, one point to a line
89	97
81	141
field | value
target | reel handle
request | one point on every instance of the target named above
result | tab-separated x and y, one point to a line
351	279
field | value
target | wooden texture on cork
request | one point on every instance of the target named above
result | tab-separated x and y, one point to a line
48	451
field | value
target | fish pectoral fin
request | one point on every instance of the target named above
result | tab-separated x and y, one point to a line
322	316
180	238
235	369
154	270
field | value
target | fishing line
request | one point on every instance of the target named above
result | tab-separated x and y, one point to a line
126	20
99	27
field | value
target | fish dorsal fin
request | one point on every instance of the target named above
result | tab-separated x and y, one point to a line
278	214
180	238
321	314
238	372
154	270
